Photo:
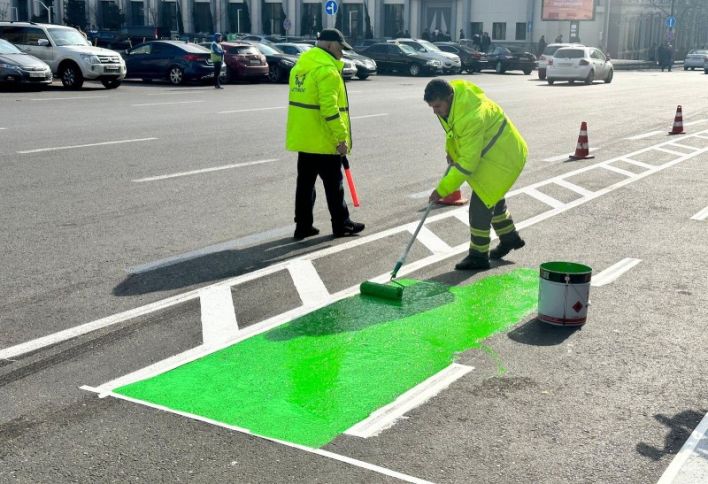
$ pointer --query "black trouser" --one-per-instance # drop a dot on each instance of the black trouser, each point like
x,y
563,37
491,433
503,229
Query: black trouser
x,y
217,74
483,218
329,168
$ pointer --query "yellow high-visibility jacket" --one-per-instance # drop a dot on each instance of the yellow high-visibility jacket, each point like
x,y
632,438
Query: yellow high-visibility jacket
x,y
487,150
318,110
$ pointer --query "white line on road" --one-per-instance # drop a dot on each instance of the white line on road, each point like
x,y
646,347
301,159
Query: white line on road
x,y
105,143
698,121
614,272
683,471
432,242
702,215
172,93
671,152
204,170
618,170
65,98
2,129
542,197
250,110
687,147
637,163
218,315
308,284
573,187
645,135
369,116
420,195
165,104
385,417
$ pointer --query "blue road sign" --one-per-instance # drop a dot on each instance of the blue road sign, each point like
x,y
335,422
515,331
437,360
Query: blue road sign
x,y
671,22
331,7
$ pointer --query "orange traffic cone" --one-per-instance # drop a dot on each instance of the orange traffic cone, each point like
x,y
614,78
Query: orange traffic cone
x,y
582,150
678,122
455,198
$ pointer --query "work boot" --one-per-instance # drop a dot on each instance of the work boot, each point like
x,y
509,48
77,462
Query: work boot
x,y
302,233
349,228
474,260
507,246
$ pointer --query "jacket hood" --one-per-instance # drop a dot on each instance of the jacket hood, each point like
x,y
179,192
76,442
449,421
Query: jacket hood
x,y
317,57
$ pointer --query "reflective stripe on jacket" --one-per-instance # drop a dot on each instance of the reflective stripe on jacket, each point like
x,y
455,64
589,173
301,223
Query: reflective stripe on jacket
x,y
217,52
487,150
318,108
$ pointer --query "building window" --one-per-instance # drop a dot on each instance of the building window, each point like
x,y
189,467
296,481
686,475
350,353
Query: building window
x,y
168,17
137,14
350,20
273,16
476,28
311,21
239,17
520,30
202,17
499,31
393,20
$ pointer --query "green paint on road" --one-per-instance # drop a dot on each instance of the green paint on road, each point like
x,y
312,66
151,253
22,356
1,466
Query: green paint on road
x,y
309,380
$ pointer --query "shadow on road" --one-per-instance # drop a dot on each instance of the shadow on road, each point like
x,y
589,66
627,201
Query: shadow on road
x,y
680,427
537,333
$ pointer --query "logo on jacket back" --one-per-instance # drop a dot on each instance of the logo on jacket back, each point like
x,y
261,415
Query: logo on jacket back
x,y
299,83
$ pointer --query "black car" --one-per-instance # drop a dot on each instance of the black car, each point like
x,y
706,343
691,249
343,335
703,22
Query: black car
x,y
279,63
173,60
365,66
391,57
472,60
16,67
503,59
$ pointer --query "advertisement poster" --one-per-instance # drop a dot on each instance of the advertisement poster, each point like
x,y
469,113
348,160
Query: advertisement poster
x,y
568,10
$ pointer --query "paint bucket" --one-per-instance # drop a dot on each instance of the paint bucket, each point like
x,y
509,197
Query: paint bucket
x,y
563,293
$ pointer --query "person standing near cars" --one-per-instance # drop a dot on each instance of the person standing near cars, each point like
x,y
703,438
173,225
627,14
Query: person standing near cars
x,y
484,149
217,57
319,130
541,46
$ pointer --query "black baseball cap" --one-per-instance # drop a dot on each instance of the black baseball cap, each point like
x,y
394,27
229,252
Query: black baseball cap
x,y
334,35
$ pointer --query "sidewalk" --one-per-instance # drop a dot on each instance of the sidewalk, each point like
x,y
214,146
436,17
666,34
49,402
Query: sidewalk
x,y
631,64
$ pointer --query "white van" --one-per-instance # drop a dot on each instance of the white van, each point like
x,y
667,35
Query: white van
x,y
72,58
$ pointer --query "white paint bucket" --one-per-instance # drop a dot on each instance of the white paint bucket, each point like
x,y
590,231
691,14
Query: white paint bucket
x,y
563,293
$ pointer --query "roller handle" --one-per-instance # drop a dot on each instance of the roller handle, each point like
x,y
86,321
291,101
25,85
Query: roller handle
x,y
350,181
401,260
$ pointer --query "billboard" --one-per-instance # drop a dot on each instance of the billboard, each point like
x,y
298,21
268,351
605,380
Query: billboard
x,y
568,10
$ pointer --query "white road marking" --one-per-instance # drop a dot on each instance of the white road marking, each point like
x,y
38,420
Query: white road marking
x,y
691,463
420,195
89,145
369,116
618,170
566,157
218,315
702,215
548,200
698,121
434,244
671,152
573,187
645,135
613,272
65,98
308,284
250,110
204,170
172,93
320,452
679,145
165,104
2,129
637,163
385,417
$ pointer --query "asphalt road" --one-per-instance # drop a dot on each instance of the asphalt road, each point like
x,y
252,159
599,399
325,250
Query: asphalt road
x,y
90,232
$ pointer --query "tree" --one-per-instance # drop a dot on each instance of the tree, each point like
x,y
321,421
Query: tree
x,y
75,13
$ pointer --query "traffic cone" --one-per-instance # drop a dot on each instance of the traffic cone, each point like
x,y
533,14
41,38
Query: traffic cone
x,y
582,150
678,122
455,198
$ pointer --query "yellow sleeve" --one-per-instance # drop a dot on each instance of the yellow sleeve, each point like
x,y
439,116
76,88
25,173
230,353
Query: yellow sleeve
x,y
329,91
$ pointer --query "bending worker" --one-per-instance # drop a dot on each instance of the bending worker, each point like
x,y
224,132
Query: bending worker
x,y
319,129
485,150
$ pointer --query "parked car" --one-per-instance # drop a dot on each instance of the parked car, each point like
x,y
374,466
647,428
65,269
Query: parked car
x,y
579,64
696,58
16,67
349,69
293,48
365,66
263,39
67,53
279,63
451,62
502,59
173,60
472,60
244,62
394,57
547,54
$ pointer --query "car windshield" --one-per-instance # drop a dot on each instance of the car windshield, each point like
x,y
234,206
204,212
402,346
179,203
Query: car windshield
x,y
269,50
67,37
407,49
304,47
7,48
243,50
551,49
699,52
428,45
570,53
414,46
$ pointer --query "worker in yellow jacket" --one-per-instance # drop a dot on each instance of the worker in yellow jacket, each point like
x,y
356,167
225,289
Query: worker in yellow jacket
x,y
319,129
485,150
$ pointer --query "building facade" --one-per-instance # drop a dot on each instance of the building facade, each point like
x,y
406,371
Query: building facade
x,y
626,28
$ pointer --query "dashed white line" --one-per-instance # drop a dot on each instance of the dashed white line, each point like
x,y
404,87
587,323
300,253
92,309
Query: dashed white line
x,y
2,129
645,135
671,152
65,98
573,187
702,215
89,145
172,93
204,170
548,200
690,148
308,284
613,272
251,110
218,315
434,244
369,116
637,163
618,170
165,104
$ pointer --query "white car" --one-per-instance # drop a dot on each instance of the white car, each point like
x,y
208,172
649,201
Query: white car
x,y
695,59
72,58
585,64
547,53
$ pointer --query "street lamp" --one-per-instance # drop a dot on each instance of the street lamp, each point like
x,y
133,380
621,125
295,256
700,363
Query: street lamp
x,y
49,10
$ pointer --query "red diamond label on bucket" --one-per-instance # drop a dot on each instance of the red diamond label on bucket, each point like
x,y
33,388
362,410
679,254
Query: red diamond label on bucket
x,y
578,306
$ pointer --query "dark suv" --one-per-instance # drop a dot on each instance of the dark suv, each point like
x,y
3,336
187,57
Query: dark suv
x,y
402,58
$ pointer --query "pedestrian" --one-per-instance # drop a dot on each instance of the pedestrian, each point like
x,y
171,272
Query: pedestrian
x,y
559,39
462,34
217,57
484,149
319,130
665,56
541,45
485,42
476,42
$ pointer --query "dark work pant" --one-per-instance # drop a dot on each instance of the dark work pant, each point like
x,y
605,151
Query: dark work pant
x,y
217,74
483,218
329,168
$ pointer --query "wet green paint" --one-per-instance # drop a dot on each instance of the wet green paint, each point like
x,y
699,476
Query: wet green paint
x,y
311,379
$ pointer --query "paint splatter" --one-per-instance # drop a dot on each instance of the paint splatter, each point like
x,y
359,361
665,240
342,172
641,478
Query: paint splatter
x,y
313,378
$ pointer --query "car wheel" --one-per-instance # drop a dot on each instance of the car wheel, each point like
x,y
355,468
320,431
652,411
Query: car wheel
x,y
499,68
71,76
111,83
274,74
542,74
176,75
590,78
610,74
550,81
527,71
363,77
414,70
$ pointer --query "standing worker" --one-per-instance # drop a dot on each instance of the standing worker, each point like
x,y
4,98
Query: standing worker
x,y
217,57
319,129
485,150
